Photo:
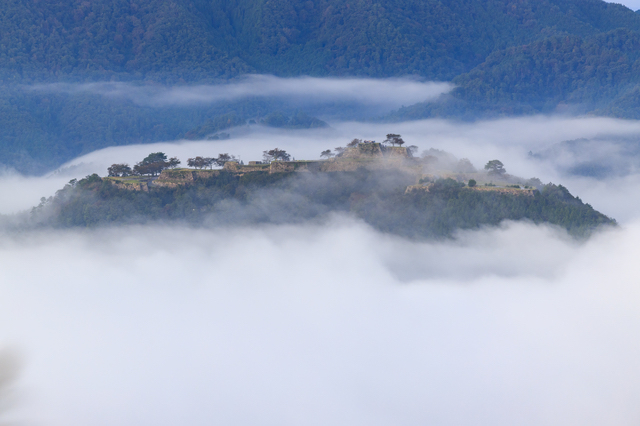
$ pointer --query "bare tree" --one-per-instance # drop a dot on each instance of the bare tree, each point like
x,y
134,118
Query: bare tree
x,y
209,162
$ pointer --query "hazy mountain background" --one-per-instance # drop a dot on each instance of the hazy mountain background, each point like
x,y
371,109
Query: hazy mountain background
x,y
504,56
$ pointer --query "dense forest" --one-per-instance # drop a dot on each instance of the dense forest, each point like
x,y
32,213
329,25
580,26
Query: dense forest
x,y
505,57
598,74
378,198
209,39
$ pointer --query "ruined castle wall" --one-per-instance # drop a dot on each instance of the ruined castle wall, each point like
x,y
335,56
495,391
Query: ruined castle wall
x,y
174,178
295,166
130,186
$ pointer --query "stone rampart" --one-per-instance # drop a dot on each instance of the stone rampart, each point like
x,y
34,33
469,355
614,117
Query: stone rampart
x,y
177,177
132,185
294,166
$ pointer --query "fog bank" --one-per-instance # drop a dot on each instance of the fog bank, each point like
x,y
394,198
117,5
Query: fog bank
x,y
325,324
509,140
392,92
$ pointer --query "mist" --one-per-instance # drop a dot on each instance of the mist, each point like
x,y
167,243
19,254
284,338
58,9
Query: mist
x,y
332,322
509,140
392,92
323,324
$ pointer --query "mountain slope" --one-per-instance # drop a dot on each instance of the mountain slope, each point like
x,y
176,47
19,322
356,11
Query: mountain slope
x,y
377,197
52,38
597,74
506,57
198,39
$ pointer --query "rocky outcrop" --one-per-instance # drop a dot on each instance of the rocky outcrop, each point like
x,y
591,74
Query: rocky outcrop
x,y
130,185
372,156
178,177
253,166
295,166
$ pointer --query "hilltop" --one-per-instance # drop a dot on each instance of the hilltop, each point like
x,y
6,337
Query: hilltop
x,y
387,187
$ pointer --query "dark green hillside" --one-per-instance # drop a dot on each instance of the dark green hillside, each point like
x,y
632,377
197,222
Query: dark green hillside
x,y
50,38
206,39
507,56
598,73
433,38
39,132
379,198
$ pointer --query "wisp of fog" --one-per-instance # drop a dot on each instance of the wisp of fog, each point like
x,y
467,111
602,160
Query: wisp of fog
x,y
331,322
323,324
393,92
509,140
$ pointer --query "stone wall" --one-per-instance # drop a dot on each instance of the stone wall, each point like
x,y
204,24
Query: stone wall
x,y
177,177
129,185
253,166
295,166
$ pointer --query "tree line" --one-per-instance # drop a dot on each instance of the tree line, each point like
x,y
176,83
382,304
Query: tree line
x,y
154,163
392,139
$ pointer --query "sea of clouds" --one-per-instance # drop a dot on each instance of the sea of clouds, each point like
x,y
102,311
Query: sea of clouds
x,y
331,322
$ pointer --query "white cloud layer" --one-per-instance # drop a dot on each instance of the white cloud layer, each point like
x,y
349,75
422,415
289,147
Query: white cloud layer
x,y
392,92
509,140
333,324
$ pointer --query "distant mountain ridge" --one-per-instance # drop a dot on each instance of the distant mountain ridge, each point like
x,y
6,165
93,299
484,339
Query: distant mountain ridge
x,y
505,56
598,74
208,39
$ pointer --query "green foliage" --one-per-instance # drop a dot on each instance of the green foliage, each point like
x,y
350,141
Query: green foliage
x,y
506,56
565,68
299,120
495,167
599,73
39,131
214,125
378,198
119,170
102,38
205,39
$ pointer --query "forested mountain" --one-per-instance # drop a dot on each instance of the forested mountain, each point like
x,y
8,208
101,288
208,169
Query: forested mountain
x,y
376,197
598,74
195,39
505,56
